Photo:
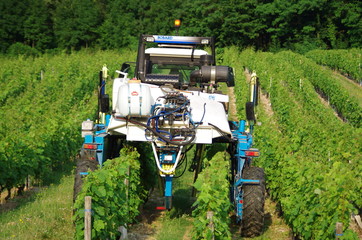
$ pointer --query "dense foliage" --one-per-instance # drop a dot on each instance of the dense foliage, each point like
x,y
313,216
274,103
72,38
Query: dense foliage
x,y
38,25
116,196
347,61
213,197
324,83
312,159
42,104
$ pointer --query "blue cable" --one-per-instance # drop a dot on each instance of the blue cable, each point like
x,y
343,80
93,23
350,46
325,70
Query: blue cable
x,y
164,114
168,113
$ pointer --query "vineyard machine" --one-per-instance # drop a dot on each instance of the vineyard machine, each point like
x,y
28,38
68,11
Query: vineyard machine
x,y
171,101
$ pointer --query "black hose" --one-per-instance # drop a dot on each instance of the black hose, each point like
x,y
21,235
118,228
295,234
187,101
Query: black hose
x,y
224,134
195,75
184,168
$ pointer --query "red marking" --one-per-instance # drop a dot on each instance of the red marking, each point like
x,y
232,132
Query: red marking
x,y
134,93
241,201
252,153
160,208
90,146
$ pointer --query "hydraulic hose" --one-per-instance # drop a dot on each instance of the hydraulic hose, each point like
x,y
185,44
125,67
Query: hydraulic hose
x,y
224,134
168,113
160,135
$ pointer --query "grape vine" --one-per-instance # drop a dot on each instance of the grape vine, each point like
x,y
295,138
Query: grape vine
x,y
347,61
213,198
311,158
116,196
42,104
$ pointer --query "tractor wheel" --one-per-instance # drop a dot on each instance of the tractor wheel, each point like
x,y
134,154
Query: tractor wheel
x,y
252,222
86,162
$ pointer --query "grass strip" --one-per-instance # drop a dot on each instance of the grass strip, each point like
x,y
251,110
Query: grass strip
x,y
46,216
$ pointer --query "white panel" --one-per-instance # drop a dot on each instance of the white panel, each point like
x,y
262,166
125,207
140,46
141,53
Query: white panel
x,y
214,113
203,136
136,134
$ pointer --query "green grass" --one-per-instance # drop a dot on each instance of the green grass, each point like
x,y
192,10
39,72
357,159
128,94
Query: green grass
x,y
175,228
353,89
46,216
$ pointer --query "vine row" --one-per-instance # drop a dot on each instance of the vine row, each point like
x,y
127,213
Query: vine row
x,y
44,101
116,196
212,207
347,61
323,81
311,158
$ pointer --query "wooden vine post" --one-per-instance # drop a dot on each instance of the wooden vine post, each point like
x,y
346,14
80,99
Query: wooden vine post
x,y
209,216
339,230
87,218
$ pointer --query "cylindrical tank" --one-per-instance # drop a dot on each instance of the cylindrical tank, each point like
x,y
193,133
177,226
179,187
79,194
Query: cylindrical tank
x,y
134,100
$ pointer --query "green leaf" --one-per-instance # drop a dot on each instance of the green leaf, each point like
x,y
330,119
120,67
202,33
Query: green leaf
x,y
99,225
101,191
317,191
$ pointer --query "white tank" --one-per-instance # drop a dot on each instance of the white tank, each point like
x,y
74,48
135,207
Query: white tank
x,y
134,100
116,83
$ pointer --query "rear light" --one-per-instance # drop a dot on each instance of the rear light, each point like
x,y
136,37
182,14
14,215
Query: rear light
x,y
252,152
90,146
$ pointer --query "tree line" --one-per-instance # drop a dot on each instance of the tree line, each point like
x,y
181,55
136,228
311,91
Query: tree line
x,y
300,25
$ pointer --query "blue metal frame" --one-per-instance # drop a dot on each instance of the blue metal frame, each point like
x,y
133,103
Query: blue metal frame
x,y
99,139
168,178
168,186
244,142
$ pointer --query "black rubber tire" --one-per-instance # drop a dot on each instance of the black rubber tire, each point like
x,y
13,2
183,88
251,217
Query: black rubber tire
x,y
85,162
252,223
